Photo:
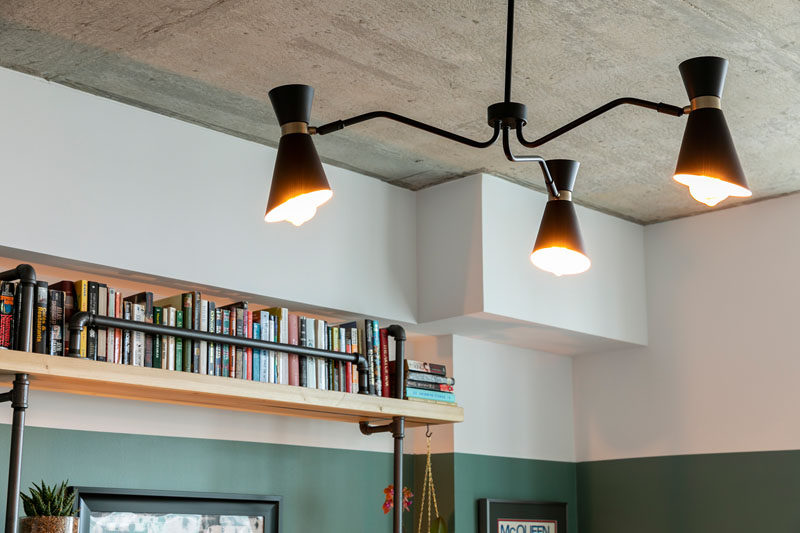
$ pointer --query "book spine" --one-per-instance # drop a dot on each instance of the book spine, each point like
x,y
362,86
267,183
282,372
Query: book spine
x,y
188,317
430,395
82,304
56,325
172,321
302,365
196,346
158,316
138,350
179,344
420,366
256,353
111,302
6,314
241,367
40,318
311,363
102,333
211,355
370,356
431,378
117,331
427,385
218,346
127,339
91,341
202,356
384,348
247,353
226,349
376,350
147,302
294,338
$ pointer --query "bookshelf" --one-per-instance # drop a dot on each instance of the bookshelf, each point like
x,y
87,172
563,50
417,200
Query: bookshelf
x,y
23,371
94,378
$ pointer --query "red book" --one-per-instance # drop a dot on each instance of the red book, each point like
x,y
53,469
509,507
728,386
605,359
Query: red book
x,y
384,335
294,359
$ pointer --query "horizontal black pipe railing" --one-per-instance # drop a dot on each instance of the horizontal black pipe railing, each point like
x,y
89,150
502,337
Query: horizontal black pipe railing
x,y
84,319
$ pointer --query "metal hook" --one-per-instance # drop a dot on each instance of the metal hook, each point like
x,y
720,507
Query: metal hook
x,y
428,430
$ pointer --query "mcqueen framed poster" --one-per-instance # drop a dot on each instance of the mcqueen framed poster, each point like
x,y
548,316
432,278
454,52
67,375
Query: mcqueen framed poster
x,y
512,516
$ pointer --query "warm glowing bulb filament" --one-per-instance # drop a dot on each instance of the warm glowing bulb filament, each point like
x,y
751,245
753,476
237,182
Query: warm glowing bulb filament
x,y
709,190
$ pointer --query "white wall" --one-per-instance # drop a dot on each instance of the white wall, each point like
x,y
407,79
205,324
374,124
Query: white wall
x,y
721,370
606,301
153,194
519,402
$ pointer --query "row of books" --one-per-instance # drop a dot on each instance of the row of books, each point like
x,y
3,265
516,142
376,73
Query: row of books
x,y
425,382
55,304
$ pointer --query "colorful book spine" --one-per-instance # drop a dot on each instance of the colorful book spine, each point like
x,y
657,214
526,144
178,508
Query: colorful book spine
x,y
384,350
138,349
68,287
226,348
111,310
427,385
202,354
102,333
431,378
127,335
7,291
294,339
256,374
82,304
218,345
158,317
40,317
118,310
302,364
370,356
436,396
91,341
56,324
211,354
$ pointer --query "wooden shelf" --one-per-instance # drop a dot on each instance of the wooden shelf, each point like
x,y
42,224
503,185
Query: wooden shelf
x,y
93,378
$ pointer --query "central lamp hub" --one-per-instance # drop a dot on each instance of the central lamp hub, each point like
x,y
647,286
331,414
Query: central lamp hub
x,y
508,114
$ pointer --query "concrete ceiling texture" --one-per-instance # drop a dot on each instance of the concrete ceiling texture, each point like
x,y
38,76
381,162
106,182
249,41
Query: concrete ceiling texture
x,y
212,62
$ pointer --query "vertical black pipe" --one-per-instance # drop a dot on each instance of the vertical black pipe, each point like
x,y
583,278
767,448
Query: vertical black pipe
x,y
398,424
509,48
19,402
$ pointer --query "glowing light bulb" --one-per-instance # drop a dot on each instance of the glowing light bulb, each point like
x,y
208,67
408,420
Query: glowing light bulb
x,y
560,261
299,209
709,190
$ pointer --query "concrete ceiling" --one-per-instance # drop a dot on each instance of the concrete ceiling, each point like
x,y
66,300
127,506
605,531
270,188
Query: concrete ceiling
x,y
441,61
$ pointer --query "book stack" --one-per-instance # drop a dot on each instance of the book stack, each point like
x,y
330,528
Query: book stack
x,y
426,382
56,303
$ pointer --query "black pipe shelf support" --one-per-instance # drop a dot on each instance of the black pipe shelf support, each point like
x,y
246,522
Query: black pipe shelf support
x,y
18,395
83,319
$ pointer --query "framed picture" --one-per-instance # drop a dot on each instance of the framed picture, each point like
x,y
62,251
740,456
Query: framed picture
x,y
510,516
113,510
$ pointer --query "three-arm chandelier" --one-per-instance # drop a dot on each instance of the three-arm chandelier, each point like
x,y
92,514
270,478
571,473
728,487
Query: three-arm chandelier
x,y
707,162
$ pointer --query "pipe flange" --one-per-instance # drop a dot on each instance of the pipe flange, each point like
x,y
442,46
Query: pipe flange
x,y
507,114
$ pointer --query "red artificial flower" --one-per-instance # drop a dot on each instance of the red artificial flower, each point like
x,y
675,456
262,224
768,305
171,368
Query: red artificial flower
x,y
389,503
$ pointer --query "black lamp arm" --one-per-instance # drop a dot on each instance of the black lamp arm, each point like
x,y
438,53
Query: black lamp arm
x,y
548,179
661,107
340,124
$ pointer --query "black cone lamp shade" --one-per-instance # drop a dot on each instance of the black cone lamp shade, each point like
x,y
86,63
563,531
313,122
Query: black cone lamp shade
x,y
299,185
708,163
559,246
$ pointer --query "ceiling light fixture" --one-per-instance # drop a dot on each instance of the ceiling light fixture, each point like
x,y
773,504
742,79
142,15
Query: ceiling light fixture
x,y
559,246
707,163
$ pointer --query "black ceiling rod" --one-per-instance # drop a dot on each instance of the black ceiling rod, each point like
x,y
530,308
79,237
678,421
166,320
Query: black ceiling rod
x,y
548,179
509,49
340,124
661,107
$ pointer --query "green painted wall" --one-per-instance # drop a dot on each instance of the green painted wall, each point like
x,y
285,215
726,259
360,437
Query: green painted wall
x,y
731,493
336,491
483,476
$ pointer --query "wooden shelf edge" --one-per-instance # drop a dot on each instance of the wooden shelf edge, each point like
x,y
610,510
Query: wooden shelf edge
x,y
94,378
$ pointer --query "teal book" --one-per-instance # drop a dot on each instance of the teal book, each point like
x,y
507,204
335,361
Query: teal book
x,y
437,396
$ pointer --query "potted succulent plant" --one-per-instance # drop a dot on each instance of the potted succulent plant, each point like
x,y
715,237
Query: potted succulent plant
x,y
48,510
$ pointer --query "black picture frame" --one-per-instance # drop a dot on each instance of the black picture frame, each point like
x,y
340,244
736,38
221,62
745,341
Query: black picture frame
x,y
492,512
97,499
